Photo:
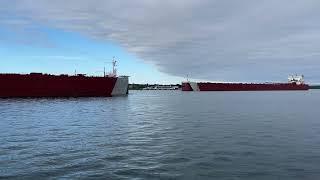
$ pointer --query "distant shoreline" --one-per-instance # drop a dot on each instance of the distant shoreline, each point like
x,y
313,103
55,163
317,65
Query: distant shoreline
x,y
144,86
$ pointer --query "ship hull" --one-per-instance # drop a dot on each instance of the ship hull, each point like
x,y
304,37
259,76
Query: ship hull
x,y
194,86
43,85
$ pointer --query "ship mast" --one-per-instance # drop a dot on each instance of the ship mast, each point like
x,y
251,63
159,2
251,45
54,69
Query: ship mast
x,y
114,69
114,64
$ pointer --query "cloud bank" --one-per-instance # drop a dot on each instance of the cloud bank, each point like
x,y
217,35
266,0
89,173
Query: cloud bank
x,y
205,39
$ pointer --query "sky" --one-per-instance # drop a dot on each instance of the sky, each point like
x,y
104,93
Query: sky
x,y
163,41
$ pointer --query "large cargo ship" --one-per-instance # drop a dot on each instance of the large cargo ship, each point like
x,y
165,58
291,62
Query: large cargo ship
x,y
78,85
294,83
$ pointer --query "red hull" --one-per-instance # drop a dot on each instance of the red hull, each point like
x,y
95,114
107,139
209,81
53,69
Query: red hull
x,y
189,86
43,85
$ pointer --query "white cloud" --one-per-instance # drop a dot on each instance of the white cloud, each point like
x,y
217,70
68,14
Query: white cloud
x,y
207,39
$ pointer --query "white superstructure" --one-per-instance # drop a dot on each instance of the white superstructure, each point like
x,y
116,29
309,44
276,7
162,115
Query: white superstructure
x,y
298,79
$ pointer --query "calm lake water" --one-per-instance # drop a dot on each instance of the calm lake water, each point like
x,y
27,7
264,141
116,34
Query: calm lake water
x,y
163,135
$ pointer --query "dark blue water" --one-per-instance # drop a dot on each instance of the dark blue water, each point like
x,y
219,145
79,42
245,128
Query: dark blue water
x,y
163,135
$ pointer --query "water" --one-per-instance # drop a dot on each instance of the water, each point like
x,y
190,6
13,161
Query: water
x,y
163,135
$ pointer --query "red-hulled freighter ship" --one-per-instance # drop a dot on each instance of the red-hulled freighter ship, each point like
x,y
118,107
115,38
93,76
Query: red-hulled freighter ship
x,y
294,83
46,85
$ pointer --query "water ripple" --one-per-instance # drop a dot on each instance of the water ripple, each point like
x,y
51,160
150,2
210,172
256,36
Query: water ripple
x,y
162,135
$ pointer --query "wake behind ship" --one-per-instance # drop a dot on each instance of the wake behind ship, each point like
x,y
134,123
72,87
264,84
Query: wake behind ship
x,y
46,85
294,83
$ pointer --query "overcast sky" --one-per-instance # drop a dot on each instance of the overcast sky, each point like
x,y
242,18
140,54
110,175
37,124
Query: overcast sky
x,y
230,40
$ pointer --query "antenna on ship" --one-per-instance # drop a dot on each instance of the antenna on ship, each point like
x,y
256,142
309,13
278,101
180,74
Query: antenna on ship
x,y
114,64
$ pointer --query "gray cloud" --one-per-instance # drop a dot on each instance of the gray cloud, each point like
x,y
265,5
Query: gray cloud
x,y
208,39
